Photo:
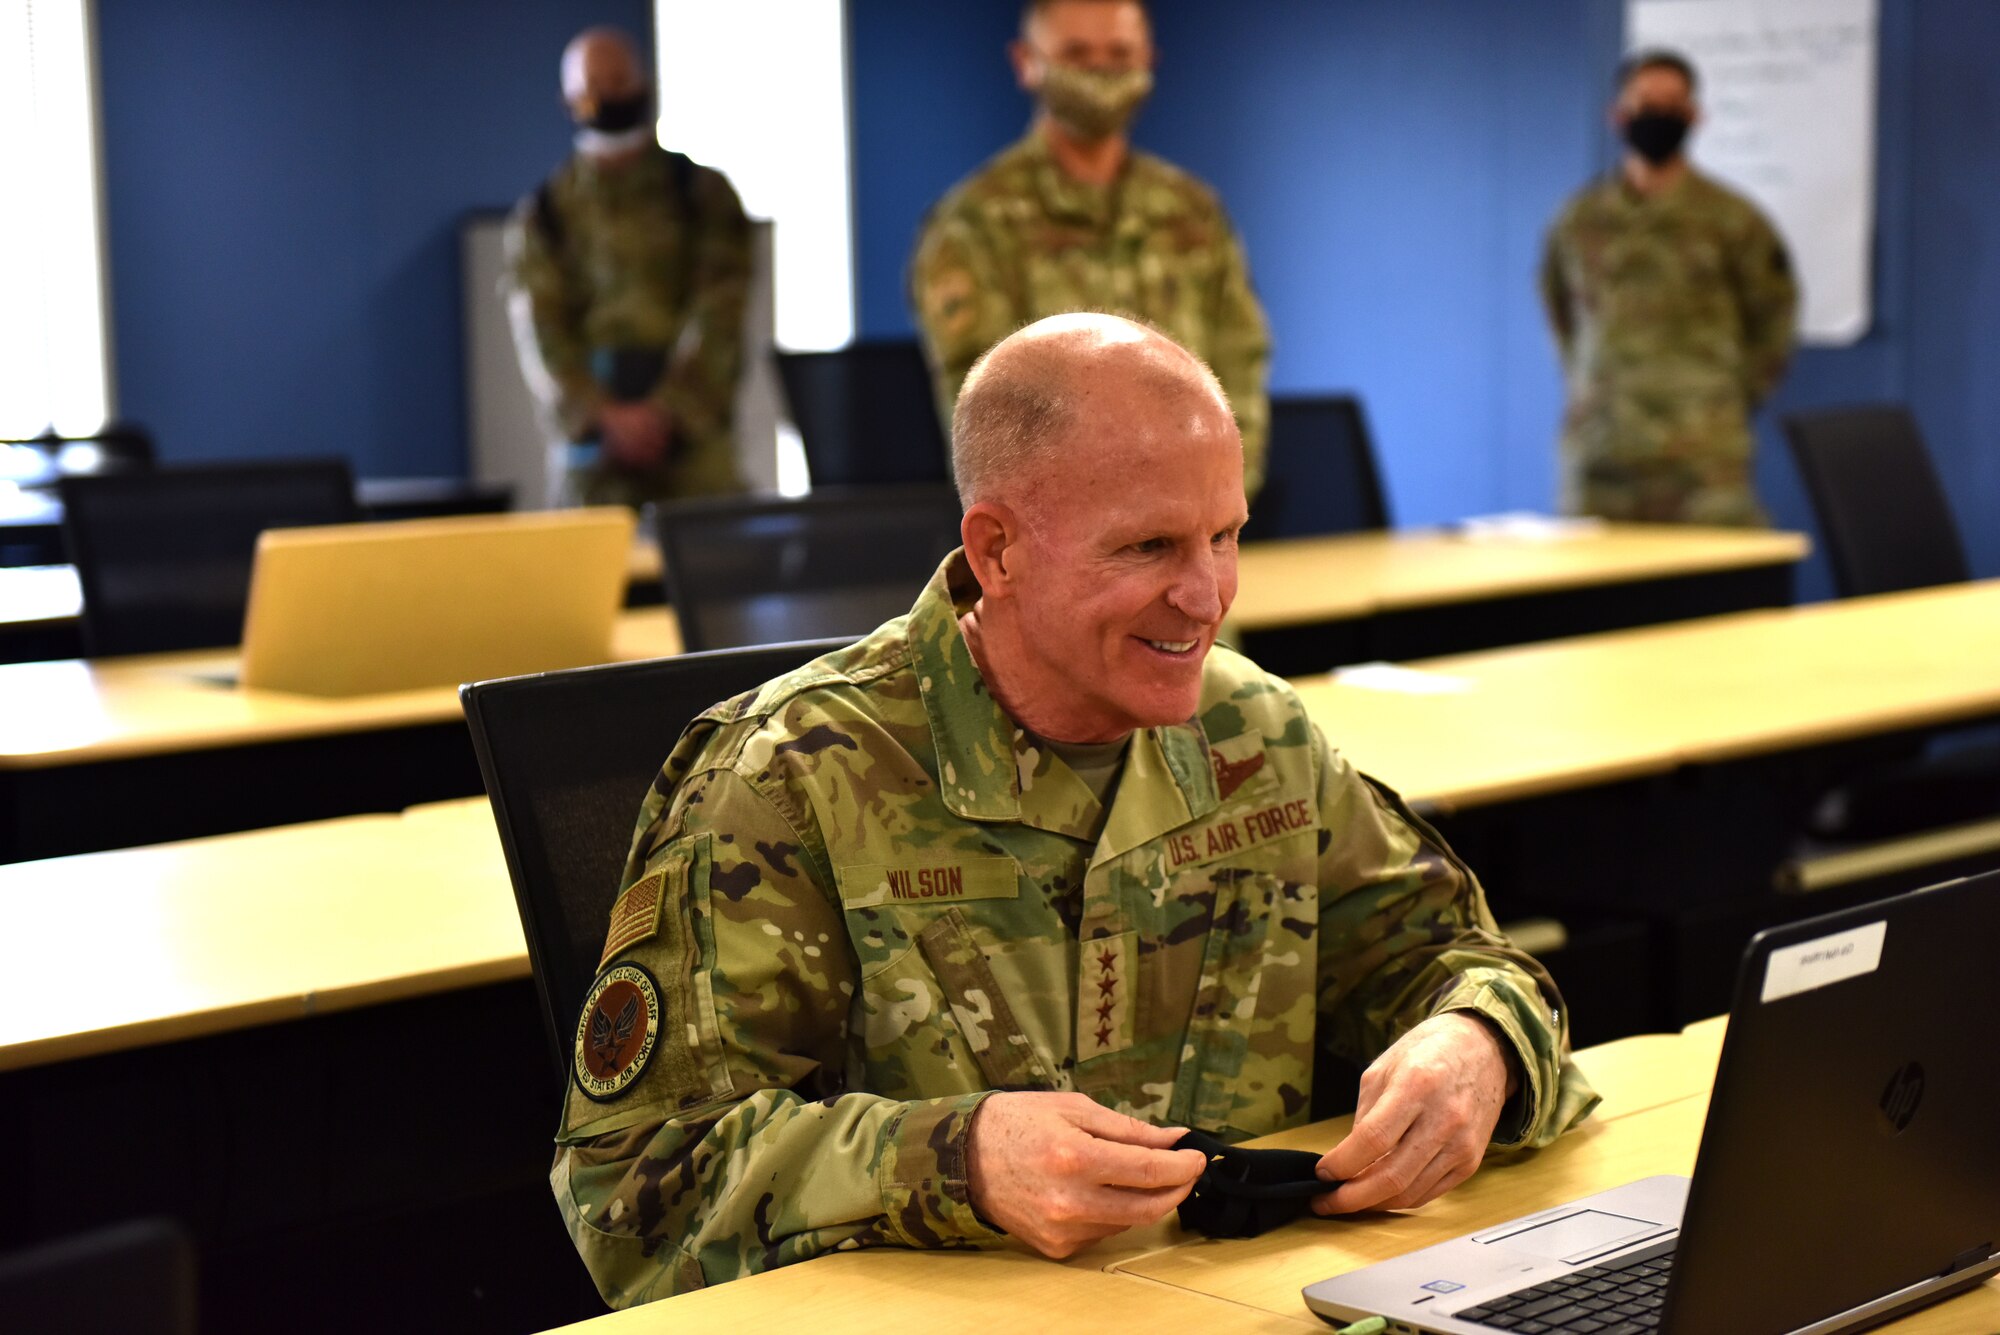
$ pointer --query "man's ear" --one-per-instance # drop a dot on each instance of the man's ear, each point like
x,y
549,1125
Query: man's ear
x,y
1022,57
992,533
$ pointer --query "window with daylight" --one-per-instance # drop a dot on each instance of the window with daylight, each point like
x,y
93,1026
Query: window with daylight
x,y
758,90
54,360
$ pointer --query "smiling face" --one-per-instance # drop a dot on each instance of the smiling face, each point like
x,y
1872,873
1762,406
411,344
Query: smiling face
x,y
1123,560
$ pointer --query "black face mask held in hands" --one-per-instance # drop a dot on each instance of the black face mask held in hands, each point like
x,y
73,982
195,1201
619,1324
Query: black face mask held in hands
x,y
1246,1192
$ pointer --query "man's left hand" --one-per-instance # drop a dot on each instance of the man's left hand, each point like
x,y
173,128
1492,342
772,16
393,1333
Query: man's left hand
x,y
1427,1109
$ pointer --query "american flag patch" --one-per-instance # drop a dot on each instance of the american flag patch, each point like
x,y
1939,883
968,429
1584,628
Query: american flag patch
x,y
635,917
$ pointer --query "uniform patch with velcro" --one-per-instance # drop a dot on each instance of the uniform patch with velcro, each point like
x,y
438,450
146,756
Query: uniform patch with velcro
x,y
617,1032
635,917
932,881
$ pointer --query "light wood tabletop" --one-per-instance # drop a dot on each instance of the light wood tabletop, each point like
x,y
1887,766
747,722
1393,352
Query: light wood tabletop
x,y
1296,581
868,1293
1267,1273
76,710
38,595
237,930
1511,723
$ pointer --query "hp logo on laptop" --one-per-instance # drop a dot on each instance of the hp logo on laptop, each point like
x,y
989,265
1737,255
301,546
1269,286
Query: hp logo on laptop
x,y
1904,1092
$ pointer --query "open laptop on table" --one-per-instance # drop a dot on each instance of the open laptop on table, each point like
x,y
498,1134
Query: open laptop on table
x,y
1849,1166
353,609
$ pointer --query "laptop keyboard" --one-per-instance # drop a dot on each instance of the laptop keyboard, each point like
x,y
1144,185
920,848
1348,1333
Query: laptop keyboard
x,y
1623,1297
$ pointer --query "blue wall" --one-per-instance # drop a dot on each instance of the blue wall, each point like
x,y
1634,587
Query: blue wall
x,y
284,184
1392,165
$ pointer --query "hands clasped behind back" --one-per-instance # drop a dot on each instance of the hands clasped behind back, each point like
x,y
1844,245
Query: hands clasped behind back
x,y
1060,1171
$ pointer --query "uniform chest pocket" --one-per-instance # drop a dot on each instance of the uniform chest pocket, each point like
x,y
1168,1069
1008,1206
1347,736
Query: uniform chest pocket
x,y
932,1016
1247,1067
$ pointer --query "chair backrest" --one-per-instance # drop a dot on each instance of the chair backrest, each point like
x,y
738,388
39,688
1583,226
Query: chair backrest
x,y
164,557
866,414
1881,511
1321,475
838,562
135,1278
567,758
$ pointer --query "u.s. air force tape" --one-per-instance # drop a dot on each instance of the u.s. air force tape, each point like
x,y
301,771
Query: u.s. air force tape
x,y
617,1032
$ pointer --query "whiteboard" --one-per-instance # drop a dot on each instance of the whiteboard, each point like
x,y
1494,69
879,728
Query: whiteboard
x,y
1788,104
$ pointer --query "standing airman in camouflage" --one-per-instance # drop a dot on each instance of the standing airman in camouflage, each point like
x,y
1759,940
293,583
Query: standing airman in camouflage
x,y
1672,301
626,278
945,936
1072,218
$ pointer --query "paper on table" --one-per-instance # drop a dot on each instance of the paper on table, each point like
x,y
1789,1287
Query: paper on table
x,y
1527,526
1393,677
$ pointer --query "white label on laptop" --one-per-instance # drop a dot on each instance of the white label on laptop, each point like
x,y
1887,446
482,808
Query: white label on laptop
x,y
1823,961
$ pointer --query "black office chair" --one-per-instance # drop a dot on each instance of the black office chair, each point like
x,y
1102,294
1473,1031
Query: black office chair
x,y
1320,476
136,1278
567,758
164,557
1885,519
1888,527
866,415
841,561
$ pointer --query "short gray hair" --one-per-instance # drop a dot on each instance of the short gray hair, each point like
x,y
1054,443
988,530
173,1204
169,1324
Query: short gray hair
x,y
1020,397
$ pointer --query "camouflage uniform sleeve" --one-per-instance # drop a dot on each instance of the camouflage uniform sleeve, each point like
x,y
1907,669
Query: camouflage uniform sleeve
x,y
699,389
1239,350
737,1148
548,336
1555,293
1767,295
1405,934
959,300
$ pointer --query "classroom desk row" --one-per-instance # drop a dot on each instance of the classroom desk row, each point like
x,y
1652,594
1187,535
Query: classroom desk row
x,y
1162,1277
1306,603
199,921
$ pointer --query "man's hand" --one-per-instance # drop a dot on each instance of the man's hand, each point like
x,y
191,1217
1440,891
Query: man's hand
x,y
1427,1110
1059,1171
635,434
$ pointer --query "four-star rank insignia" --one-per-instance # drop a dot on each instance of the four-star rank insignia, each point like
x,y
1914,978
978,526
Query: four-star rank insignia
x,y
617,1032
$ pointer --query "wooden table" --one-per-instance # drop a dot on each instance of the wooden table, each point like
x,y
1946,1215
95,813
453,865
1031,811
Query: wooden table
x,y
1305,604
120,752
1512,723
1650,1123
253,928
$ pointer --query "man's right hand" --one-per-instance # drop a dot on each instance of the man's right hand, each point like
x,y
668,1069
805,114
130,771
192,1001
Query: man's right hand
x,y
634,434
1060,1171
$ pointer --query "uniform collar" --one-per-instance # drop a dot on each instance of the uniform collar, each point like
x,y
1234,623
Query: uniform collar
x,y
1065,197
991,769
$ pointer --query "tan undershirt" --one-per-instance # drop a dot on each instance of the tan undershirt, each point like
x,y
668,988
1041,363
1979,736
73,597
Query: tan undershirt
x,y
1098,764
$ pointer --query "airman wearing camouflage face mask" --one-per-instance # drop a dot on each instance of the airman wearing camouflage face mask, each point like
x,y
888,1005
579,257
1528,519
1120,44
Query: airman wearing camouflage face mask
x,y
1072,218
946,937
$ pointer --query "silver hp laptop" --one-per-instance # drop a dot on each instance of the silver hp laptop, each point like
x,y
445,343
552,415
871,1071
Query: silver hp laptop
x,y
1849,1167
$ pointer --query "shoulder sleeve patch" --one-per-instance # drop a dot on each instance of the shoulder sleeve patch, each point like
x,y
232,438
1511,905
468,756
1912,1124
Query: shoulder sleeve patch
x,y
635,917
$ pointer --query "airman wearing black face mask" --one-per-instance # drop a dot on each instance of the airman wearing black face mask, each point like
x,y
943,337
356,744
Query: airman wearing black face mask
x,y
1673,301
626,279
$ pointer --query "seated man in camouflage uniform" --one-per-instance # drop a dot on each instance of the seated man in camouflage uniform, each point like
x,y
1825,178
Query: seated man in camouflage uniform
x,y
1074,218
945,936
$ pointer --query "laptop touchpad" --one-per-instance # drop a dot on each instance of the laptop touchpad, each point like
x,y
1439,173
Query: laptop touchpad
x,y
1584,1233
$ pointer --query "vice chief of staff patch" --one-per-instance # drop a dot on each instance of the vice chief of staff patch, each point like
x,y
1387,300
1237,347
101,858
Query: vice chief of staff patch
x,y
617,1032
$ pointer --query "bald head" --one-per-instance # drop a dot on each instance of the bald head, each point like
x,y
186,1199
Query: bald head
x,y
1029,404
600,65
